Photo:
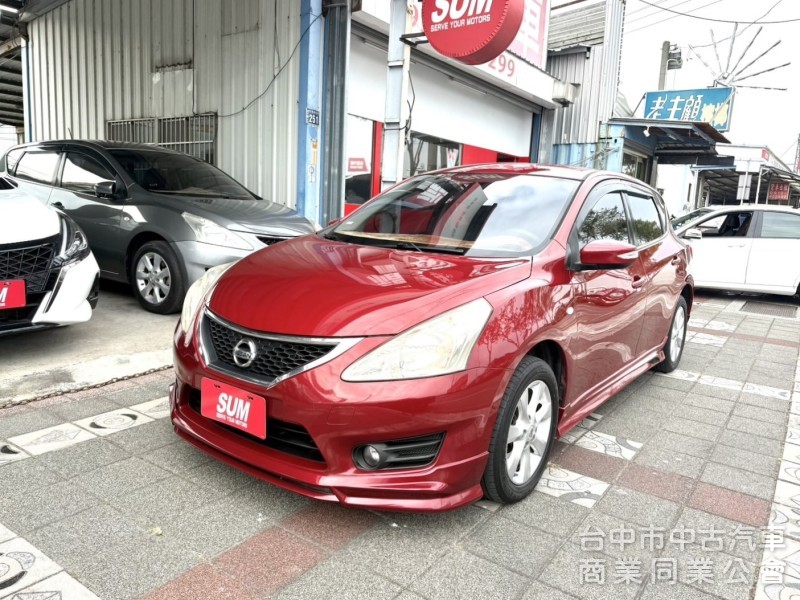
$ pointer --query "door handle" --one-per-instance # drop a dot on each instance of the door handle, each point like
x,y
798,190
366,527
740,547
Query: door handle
x,y
735,245
58,205
638,282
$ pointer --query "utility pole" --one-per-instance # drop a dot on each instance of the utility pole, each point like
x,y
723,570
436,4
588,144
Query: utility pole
x,y
662,74
797,156
396,113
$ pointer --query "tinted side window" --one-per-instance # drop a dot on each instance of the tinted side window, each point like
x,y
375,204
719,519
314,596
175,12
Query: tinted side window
x,y
81,173
646,220
38,166
780,225
605,221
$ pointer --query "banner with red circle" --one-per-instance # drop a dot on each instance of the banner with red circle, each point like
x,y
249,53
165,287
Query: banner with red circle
x,y
472,31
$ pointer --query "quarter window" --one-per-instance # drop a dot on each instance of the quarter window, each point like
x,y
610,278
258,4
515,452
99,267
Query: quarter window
x,y
780,225
646,220
81,173
605,221
38,166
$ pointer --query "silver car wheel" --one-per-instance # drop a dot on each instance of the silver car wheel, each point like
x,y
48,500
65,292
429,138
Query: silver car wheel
x,y
677,334
153,279
529,432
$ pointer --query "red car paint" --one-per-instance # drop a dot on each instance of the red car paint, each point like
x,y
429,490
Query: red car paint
x,y
609,325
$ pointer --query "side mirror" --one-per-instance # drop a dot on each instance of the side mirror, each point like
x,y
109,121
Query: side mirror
x,y
693,234
607,254
105,189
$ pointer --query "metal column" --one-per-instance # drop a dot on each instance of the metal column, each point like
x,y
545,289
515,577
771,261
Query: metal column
x,y
337,51
399,59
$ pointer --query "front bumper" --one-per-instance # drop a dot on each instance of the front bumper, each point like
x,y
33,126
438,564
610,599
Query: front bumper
x,y
339,416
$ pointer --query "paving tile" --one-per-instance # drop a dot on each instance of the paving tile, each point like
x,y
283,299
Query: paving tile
x,y
80,409
615,538
10,453
570,486
761,428
787,494
337,579
21,556
564,573
751,443
786,519
672,383
120,478
791,453
760,414
56,587
328,524
660,393
219,476
702,415
132,395
589,463
114,421
26,421
669,440
715,533
749,461
609,445
157,503
33,508
272,569
702,431
51,439
145,438
704,389
83,457
731,505
530,552
540,591
270,502
203,581
723,570
155,409
763,402
670,461
678,591
547,513
637,507
746,482
178,457
461,575
637,428
648,480
6,534
24,475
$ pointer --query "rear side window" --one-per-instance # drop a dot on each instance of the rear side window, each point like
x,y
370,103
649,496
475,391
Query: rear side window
x,y
38,166
647,222
81,173
780,225
12,158
605,221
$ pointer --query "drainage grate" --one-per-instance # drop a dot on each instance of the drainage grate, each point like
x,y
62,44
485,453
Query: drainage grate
x,y
769,309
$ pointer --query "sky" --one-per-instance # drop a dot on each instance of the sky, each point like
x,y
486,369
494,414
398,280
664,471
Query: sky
x,y
760,117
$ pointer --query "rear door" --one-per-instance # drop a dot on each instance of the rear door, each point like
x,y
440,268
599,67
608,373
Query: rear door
x,y
35,171
720,258
98,217
773,264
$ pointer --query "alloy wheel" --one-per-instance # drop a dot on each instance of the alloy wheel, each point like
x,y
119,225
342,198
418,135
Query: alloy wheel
x,y
677,334
529,432
153,278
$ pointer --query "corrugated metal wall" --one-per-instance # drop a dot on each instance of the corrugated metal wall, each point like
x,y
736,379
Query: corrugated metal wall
x,y
94,61
597,74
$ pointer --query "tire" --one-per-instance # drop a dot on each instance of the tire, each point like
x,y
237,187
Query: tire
x,y
157,279
532,382
676,339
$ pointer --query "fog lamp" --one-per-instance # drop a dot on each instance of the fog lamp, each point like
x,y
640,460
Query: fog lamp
x,y
371,456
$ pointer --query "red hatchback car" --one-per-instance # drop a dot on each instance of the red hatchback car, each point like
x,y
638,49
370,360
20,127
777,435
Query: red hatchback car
x,y
427,350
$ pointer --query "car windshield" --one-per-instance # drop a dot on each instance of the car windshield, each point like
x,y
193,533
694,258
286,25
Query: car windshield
x,y
475,214
179,174
689,217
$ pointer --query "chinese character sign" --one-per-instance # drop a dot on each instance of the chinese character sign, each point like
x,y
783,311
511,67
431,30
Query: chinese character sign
x,y
779,191
710,105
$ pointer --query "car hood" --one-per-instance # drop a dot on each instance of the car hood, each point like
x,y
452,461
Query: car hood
x,y
25,218
252,216
314,287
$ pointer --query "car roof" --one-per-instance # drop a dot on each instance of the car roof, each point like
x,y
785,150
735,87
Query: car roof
x,y
563,172
723,208
98,145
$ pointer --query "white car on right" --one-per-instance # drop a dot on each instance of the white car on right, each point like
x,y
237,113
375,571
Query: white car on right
x,y
748,248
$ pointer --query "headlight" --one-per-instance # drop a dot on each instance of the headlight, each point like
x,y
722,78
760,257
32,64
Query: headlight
x,y
209,232
74,245
197,294
438,346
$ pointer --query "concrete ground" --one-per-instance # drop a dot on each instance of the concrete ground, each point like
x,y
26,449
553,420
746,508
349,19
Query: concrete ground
x,y
668,491
120,339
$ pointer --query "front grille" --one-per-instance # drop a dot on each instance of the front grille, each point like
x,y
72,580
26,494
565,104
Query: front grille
x,y
275,357
269,240
288,438
30,262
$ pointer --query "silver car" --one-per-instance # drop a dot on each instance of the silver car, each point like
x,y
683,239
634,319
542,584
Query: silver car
x,y
154,218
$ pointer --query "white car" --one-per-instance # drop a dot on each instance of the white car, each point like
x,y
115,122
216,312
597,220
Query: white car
x,y
749,248
48,275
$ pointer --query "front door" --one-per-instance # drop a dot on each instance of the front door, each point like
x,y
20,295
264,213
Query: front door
x,y
720,258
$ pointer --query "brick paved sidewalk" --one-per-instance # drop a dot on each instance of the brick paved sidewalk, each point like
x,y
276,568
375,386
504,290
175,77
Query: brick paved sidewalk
x,y
98,498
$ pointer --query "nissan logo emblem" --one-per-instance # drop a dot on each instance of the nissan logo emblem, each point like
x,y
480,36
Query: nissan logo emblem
x,y
244,353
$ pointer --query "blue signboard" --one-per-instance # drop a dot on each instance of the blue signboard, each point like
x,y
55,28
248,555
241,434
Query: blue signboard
x,y
709,105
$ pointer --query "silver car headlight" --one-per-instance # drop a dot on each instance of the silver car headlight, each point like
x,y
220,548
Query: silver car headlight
x,y
196,297
438,346
210,233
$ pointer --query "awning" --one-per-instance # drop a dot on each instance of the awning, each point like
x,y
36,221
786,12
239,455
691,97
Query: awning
x,y
723,184
678,142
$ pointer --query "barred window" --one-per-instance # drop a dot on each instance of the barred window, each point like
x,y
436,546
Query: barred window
x,y
195,135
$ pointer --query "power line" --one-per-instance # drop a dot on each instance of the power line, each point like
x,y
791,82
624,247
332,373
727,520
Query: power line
x,y
688,14
756,22
652,14
659,22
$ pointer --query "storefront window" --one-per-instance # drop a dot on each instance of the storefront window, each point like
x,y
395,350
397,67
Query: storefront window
x,y
360,163
428,153
634,166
